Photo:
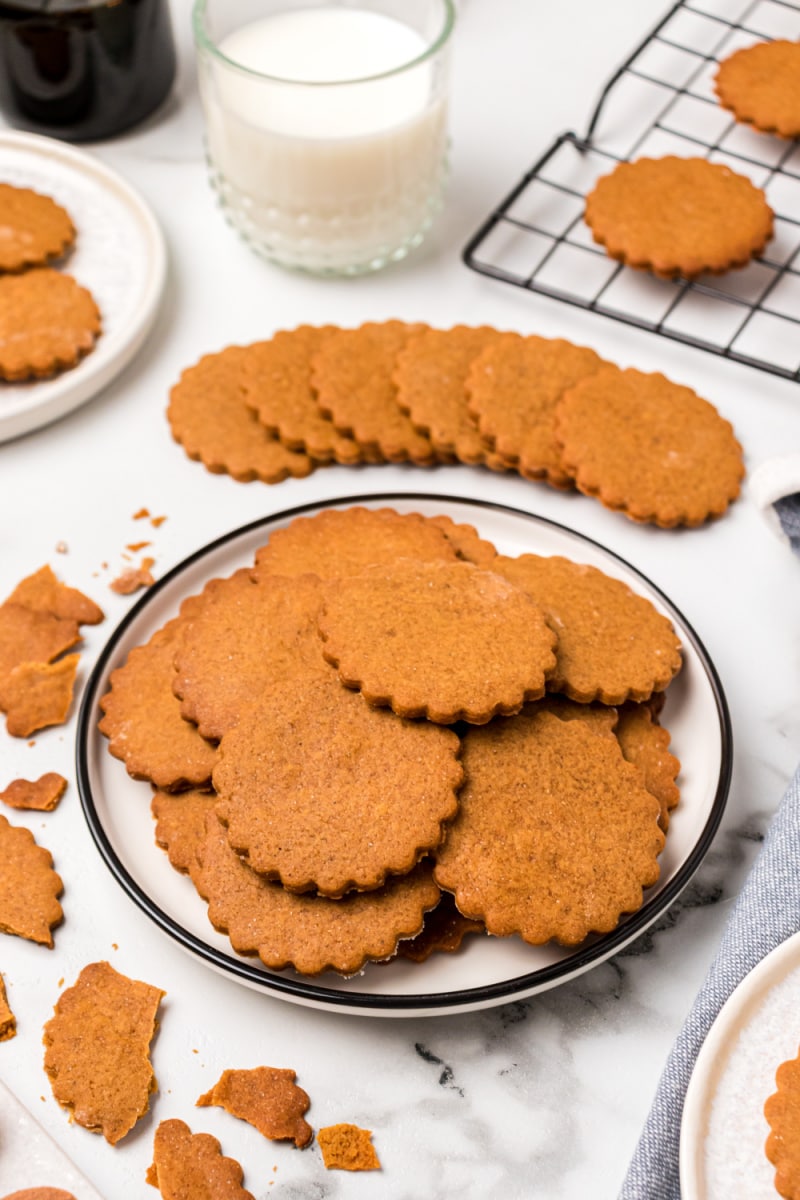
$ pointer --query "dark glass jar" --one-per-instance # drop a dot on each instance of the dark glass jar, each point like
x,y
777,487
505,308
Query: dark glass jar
x,y
83,71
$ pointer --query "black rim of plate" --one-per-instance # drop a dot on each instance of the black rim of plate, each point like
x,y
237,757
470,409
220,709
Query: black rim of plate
x,y
316,994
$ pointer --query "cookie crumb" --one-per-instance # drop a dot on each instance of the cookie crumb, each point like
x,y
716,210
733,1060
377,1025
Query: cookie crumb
x,y
347,1148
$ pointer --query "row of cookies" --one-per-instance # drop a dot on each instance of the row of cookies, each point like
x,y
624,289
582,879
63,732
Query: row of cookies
x,y
335,749
402,392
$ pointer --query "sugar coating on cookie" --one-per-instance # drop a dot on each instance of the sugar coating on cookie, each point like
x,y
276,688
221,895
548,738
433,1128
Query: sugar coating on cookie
x,y
47,323
556,835
446,641
513,388
188,1165
34,229
311,933
645,743
268,1098
352,375
613,645
760,84
782,1111
679,216
97,1050
209,416
325,793
342,541
649,447
29,887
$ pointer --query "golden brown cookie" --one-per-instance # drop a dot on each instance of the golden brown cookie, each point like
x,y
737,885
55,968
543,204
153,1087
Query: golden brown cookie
x,y
646,744
276,381
133,579
34,229
47,323
308,932
348,1148
782,1111
181,825
613,645
352,376
601,718
249,632
29,887
43,592
513,387
142,716
8,1022
268,1098
27,636
466,541
430,375
96,1050
447,641
208,415
679,216
325,793
42,794
35,695
760,84
40,1193
556,835
444,930
342,541
651,448
191,1166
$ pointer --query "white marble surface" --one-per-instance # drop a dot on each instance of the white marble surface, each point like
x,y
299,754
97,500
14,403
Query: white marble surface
x,y
541,1099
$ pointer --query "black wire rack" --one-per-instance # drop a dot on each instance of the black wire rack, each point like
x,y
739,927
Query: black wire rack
x,y
662,101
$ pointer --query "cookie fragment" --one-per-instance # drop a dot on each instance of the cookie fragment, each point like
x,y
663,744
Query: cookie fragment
x,y
96,1050
29,636
679,216
40,1193
34,229
760,85
268,1098
8,1022
44,592
444,930
35,694
29,886
348,1148
191,1166
41,795
47,323
134,579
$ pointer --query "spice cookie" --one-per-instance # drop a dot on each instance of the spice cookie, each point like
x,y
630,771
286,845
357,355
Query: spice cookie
x,y
646,744
613,645
35,695
43,592
276,381
325,793
352,376
8,1022
29,887
651,448
249,632
209,416
47,323
446,641
96,1050
556,835
181,825
34,229
338,542
191,1166
679,216
444,930
430,375
310,933
348,1148
466,541
268,1098
39,795
513,389
782,1111
760,85
27,636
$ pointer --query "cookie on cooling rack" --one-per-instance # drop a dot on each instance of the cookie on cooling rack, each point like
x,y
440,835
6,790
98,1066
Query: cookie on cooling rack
x,y
760,85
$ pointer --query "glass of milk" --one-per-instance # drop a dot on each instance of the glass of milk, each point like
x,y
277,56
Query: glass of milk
x,y
326,124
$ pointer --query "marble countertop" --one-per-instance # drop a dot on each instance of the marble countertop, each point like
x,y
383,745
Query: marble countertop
x,y
541,1098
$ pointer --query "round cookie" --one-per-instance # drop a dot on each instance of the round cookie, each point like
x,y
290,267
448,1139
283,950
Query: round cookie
x,y
181,819
556,835
34,230
679,216
513,389
645,743
47,323
651,448
321,791
613,645
446,641
760,85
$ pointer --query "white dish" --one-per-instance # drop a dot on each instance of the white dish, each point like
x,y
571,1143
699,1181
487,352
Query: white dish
x,y
723,1129
487,971
119,255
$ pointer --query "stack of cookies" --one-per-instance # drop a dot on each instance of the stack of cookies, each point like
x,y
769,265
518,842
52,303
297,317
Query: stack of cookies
x,y
383,734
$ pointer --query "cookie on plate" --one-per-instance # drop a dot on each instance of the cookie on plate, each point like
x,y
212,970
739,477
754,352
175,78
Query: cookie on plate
x,y
782,1111
47,323
34,229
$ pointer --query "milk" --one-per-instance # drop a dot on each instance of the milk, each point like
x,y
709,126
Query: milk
x,y
326,135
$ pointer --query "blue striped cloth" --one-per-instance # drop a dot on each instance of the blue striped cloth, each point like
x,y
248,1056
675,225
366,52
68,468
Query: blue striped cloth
x,y
766,912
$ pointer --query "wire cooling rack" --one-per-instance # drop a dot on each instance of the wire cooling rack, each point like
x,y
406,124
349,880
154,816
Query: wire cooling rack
x,y
662,101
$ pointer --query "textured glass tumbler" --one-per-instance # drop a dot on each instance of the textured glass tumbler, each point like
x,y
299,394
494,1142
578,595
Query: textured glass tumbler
x,y
326,125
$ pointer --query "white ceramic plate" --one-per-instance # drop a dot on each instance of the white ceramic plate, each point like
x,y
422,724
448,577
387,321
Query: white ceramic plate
x,y
723,1129
119,255
486,971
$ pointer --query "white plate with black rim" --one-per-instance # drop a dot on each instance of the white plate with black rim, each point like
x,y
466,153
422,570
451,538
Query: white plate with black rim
x,y
485,971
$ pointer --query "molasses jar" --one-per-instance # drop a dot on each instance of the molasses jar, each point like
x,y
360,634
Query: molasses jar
x,y
83,71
